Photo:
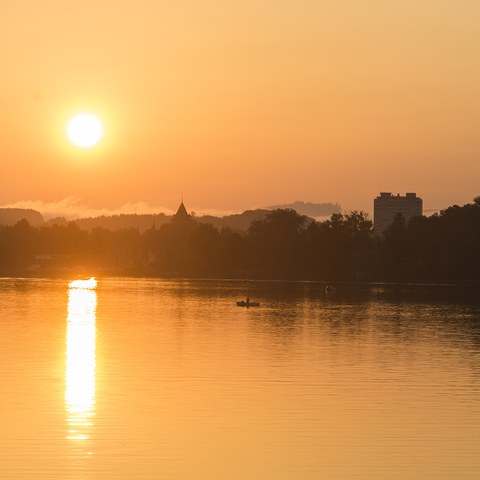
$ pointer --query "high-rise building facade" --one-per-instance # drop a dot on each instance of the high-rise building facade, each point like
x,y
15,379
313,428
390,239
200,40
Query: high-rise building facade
x,y
387,206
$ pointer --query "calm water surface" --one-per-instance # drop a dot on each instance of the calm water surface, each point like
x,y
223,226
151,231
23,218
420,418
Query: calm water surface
x,y
152,379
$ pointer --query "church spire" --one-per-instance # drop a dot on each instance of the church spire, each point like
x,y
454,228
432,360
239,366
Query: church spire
x,y
182,213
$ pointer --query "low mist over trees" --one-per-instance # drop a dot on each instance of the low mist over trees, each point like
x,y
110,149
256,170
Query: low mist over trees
x,y
282,244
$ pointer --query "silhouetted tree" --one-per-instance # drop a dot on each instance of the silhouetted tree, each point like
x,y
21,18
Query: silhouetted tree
x,y
276,243
282,244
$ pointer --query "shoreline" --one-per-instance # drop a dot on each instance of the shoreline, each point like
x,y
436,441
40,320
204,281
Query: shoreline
x,y
128,275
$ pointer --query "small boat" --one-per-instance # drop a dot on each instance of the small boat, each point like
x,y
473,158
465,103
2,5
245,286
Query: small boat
x,y
247,304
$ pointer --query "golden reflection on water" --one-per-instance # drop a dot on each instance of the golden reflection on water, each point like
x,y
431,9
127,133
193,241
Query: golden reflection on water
x,y
80,360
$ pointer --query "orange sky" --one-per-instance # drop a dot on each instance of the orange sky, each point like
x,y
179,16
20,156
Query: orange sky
x,y
243,103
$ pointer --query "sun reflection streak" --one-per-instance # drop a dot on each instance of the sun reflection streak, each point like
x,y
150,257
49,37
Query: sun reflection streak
x,y
80,359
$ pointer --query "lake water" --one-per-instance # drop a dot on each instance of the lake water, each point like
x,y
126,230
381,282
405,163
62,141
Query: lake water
x,y
154,379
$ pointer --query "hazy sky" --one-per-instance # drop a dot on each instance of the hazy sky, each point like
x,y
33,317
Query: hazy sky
x,y
241,103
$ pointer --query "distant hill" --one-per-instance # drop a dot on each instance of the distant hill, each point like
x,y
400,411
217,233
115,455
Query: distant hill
x,y
144,222
239,221
11,216
119,222
311,209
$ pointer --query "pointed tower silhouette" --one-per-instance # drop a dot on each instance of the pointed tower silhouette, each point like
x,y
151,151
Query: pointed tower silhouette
x,y
182,214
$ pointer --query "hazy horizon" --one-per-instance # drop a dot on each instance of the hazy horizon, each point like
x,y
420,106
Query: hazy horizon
x,y
72,208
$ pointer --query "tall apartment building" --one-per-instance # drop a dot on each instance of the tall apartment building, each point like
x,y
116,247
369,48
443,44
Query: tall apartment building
x,y
387,206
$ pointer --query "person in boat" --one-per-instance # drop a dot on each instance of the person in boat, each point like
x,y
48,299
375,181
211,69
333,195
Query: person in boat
x,y
248,300
329,289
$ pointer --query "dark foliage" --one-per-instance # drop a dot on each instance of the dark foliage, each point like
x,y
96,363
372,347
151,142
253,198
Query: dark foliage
x,y
282,244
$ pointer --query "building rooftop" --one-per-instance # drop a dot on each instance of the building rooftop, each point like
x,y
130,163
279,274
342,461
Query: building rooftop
x,y
389,195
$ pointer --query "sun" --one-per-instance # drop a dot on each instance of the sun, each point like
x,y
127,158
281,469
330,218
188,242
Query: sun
x,y
85,130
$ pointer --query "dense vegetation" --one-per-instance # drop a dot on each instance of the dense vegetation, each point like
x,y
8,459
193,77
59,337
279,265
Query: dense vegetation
x,y
283,245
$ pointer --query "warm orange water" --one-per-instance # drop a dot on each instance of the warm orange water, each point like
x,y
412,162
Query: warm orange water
x,y
151,379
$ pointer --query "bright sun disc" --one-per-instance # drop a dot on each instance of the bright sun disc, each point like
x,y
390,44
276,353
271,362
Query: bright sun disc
x,y
85,130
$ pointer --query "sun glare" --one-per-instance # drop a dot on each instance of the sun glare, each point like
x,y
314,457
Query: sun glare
x,y
80,360
89,284
85,130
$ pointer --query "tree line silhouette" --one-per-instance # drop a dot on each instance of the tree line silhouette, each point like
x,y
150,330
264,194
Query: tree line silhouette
x,y
444,247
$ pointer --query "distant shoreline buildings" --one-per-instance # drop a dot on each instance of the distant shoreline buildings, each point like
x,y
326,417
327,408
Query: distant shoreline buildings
x,y
387,206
